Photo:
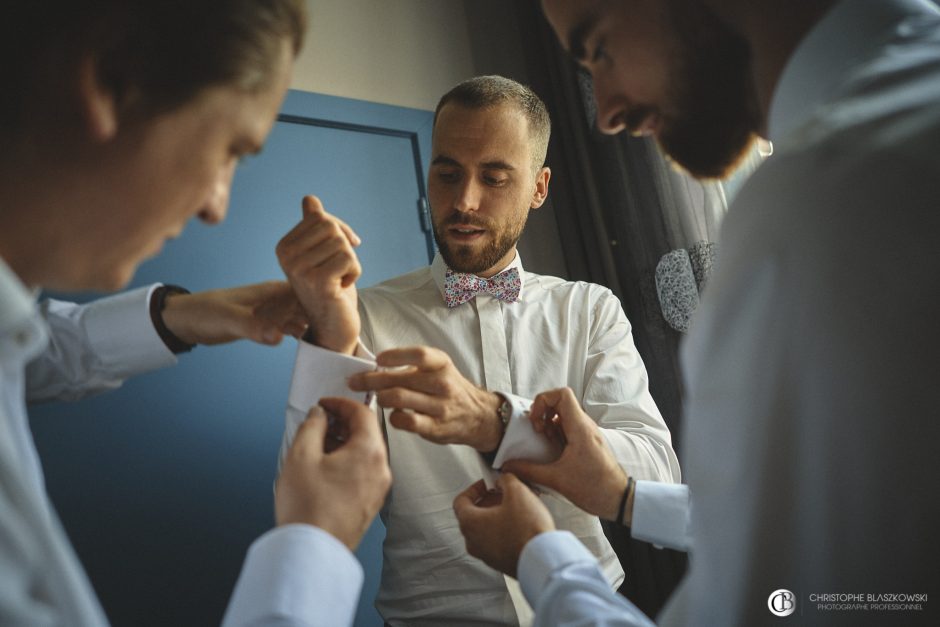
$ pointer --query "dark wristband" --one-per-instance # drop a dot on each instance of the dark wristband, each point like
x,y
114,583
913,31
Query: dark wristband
x,y
623,501
157,303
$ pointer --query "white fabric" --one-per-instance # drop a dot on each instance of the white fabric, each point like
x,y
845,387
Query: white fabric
x,y
558,333
810,441
295,575
661,514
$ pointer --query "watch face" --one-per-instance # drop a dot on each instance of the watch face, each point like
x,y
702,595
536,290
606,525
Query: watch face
x,y
505,412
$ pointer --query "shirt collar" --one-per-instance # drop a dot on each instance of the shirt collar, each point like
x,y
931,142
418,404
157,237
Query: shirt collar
x,y
439,269
21,328
849,33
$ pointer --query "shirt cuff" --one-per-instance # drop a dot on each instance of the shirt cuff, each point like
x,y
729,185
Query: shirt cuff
x,y
300,573
120,331
661,514
544,555
320,372
520,440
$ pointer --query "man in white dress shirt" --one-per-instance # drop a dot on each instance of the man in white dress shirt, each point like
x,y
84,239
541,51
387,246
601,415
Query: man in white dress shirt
x,y
121,121
811,451
467,364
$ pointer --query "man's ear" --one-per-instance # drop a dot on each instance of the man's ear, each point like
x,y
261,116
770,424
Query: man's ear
x,y
98,101
541,187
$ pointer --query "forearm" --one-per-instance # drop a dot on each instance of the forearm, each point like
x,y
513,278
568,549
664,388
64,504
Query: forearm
x,y
563,583
296,575
95,347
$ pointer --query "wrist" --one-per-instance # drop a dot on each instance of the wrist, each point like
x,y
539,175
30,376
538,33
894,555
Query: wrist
x,y
168,314
337,346
496,414
618,500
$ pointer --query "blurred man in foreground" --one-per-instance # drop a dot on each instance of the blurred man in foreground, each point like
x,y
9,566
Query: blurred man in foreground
x,y
809,448
121,121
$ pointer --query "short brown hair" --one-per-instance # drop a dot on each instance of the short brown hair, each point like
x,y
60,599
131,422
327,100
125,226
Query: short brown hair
x,y
163,52
481,92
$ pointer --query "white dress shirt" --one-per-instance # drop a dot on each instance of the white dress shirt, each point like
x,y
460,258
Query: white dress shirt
x,y
559,333
295,575
810,441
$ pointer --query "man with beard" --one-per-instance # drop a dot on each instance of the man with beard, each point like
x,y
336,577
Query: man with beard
x,y
469,340
809,367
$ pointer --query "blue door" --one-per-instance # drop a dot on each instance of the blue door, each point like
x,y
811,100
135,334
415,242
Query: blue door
x,y
164,483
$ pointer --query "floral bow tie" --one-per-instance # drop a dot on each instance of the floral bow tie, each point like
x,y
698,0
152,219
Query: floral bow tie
x,y
459,288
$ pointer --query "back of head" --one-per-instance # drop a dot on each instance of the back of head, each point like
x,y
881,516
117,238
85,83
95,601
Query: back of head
x,y
153,54
482,92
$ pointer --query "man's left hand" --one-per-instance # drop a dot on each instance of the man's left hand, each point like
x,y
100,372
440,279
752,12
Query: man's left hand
x,y
263,312
429,396
498,524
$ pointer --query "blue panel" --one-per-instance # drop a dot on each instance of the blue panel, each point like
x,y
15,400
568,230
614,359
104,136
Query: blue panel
x,y
163,484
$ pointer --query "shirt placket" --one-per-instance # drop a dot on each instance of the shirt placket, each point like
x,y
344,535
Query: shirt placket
x,y
497,378
493,340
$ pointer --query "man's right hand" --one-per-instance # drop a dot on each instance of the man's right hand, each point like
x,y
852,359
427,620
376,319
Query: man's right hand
x,y
498,524
318,258
586,473
340,491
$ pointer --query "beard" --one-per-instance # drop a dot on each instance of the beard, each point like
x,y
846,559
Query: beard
x,y
472,259
713,116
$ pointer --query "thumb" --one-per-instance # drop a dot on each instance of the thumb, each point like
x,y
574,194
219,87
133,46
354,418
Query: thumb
x,y
311,205
359,418
468,499
533,472
308,441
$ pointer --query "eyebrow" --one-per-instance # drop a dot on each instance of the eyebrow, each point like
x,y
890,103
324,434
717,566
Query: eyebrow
x,y
442,160
487,165
578,33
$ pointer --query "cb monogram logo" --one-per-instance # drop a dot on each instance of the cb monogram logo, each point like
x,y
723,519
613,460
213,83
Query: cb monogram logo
x,y
781,602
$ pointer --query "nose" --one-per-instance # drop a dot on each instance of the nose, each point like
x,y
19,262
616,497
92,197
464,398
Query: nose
x,y
216,206
468,196
611,109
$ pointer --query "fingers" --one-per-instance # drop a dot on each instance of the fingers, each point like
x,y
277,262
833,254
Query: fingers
x,y
408,378
360,420
308,237
562,403
509,483
313,207
416,423
318,249
308,441
423,357
404,398
469,498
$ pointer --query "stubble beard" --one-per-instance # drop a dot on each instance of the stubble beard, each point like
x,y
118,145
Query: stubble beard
x,y
714,116
468,258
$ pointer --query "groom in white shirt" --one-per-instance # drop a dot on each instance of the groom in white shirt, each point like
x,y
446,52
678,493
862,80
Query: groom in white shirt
x,y
471,339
